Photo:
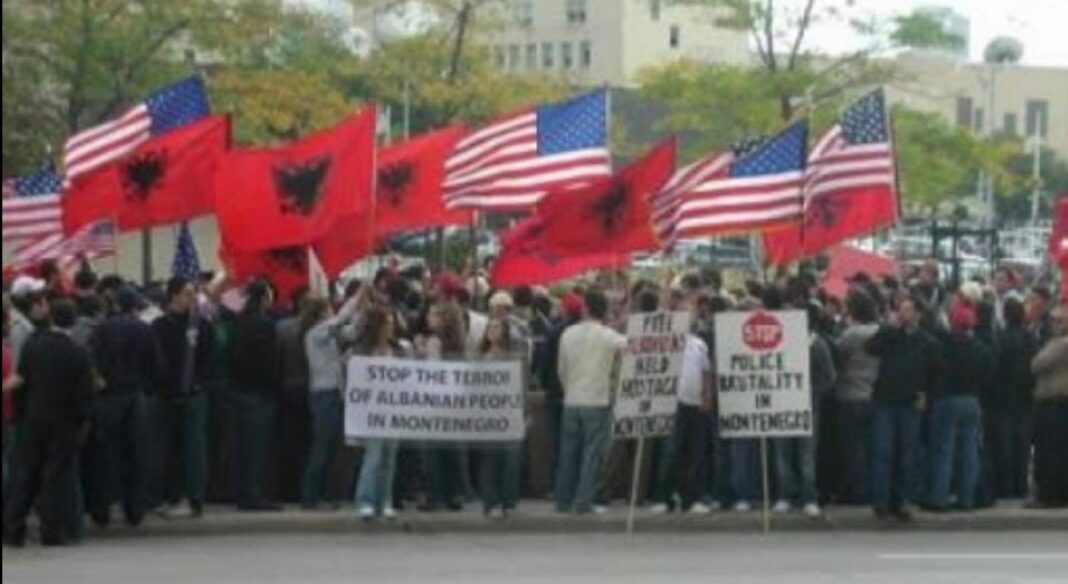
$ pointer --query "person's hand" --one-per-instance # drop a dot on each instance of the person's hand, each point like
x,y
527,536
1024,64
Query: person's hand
x,y
921,402
894,319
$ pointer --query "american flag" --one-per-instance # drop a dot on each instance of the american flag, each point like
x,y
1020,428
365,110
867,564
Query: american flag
x,y
511,164
755,187
186,262
172,107
31,207
93,241
856,153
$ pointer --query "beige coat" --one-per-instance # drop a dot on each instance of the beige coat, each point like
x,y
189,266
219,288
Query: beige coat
x,y
1051,370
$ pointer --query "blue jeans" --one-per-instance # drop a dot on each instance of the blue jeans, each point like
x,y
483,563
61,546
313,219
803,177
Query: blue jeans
x,y
956,423
117,454
374,488
499,476
795,470
853,436
584,441
745,470
683,463
255,417
443,471
180,427
326,410
895,433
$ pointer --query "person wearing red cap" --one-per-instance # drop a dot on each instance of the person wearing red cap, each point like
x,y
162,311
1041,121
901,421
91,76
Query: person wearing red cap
x,y
956,414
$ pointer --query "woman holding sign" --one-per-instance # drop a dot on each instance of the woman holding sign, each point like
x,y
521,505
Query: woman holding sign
x,y
500,462
374,489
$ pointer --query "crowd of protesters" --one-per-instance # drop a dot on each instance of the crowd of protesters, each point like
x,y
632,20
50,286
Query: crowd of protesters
x,y
924,395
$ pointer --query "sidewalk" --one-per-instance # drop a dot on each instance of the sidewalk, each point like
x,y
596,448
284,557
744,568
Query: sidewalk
x,y
539,517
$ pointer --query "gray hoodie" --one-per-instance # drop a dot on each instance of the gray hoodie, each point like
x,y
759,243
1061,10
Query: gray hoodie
x,y
322,344
858,369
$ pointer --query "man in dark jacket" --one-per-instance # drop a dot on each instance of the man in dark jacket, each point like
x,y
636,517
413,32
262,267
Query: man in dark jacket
x,y
908,372
53,406
181,403
127,360
254,395
571,307
291,419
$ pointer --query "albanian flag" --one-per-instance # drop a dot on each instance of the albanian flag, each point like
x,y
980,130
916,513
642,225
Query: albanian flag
x,y
348,242
409,189
285,268
292,196
168,179
612,214
524,260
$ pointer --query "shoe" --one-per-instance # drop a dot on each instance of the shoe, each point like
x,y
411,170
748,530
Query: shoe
x,y
881,514
135,519
389,513
903,515
495,513
600,510
659,509
455,506
742,507
100,518
700,509
781,508
55,541
367,513
715,506
179,511
196,509
813,511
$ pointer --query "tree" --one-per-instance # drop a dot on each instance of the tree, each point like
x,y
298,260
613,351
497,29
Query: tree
x,y
1015,201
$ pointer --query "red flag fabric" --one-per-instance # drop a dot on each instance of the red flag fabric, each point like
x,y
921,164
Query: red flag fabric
x,y
850,184
285,268
611,214
845,262
410,176
348,242
524,260
168,179
292,196
1058,241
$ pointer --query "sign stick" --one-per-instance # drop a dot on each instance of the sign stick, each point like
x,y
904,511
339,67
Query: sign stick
x,y
767,484
638,456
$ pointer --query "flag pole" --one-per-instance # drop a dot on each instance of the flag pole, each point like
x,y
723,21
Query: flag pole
x,y
638,457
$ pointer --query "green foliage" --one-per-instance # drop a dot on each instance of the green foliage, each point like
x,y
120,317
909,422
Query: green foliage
x,y
920,31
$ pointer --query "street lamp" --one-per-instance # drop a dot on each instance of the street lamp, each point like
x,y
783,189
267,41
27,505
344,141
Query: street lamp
x,y
999,52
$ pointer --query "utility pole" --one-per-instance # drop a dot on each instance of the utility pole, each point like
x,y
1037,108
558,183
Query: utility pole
x,y
1036,169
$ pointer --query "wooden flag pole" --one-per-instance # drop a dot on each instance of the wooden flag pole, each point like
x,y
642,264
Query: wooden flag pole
x,y
767,484
638,457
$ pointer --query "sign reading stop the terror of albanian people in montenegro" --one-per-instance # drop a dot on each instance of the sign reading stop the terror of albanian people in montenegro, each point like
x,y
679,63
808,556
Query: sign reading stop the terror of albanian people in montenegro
x,y
762,365
648,388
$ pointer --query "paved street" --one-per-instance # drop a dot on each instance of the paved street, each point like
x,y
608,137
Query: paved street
x,y
795,558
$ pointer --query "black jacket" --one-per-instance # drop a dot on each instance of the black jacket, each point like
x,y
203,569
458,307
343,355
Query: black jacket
x,y
125,354
547,371
1014,384
255,356
967,367
173,338
58,382
909,365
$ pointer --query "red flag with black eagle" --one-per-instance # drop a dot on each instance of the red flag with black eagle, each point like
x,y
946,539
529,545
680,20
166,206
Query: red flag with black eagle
x,y
168,179
524,260
294,195
410,176
1058,242
285,268
609,215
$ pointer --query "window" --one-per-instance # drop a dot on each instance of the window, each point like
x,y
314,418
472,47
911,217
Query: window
x,y
654,9
1037,117
965,105
513,57
547,54
532,56
567,59
977,124
585,54
1010,125
524,13
576,11
499,55
676,36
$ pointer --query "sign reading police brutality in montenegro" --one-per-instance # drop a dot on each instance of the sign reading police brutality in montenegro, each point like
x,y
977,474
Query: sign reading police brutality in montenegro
x,y
400,399
648,388
762,365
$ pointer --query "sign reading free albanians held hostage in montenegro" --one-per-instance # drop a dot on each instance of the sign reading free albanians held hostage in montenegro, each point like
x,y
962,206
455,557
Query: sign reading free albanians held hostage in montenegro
x,y
446,401
762,374
648,387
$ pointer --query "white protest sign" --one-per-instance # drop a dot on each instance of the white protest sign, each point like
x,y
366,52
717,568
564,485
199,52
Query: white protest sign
x,y
762,374
447,401
648,387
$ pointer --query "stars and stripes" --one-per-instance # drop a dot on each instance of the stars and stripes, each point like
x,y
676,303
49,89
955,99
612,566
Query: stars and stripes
x,y
511,164
93,241
855,154
172,107
31,206
186,262
750,189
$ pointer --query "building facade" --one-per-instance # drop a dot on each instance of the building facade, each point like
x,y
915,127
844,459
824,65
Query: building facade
x,y
594,42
